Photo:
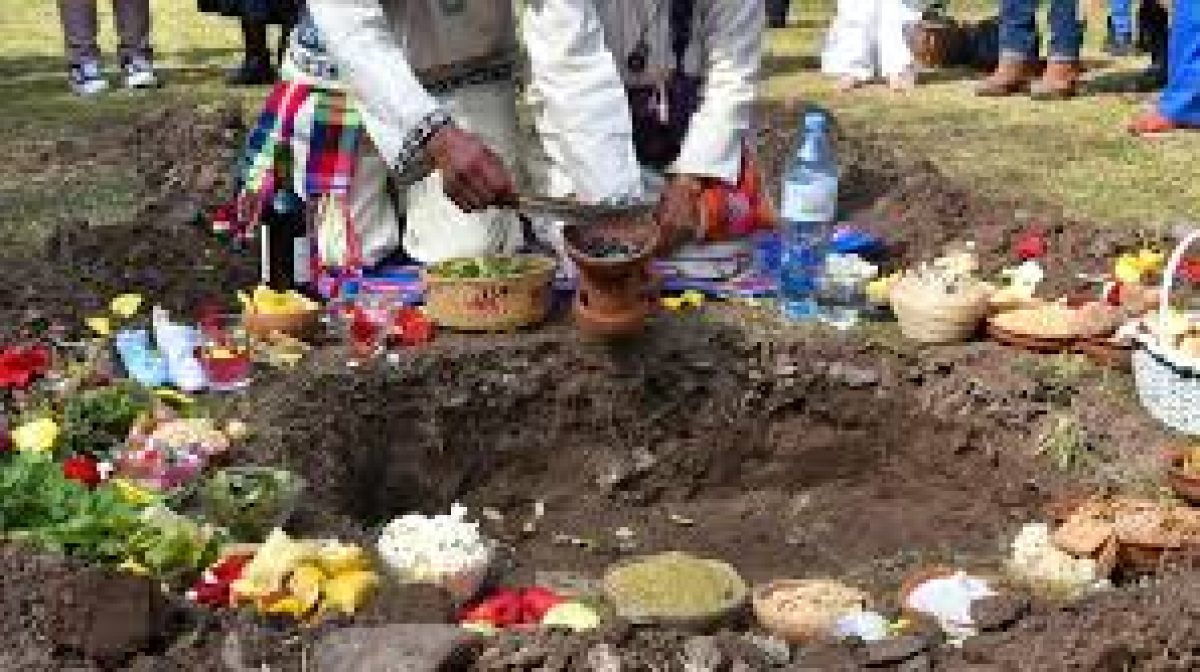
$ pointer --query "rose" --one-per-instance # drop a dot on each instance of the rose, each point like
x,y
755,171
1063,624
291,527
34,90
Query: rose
x,y
19,366
82,469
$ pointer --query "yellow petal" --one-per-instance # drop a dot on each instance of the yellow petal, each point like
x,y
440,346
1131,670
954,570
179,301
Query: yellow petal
x,y
176,396
1151,261
126,305
346,592
672,302
287,606
305,585
133,494
1127,271
336,558
275,560
102,326
134,567
37,436
693,297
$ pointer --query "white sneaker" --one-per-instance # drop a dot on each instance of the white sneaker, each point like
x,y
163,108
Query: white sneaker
x,y
139,74
86,79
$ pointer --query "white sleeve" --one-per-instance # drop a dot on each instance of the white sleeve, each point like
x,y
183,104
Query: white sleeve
x,y
582,114
734,35
398,113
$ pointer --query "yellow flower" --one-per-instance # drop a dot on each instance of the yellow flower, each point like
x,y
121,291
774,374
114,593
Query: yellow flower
x,y
126,305
1151,261
346,592
337,558
286,606
1127,270
133,494
37,436
101,325
168,394
305,585
134,567
672,303
693,298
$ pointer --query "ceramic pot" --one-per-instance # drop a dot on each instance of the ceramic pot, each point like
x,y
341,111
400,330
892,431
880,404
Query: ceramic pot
x,y
616,293
1186,485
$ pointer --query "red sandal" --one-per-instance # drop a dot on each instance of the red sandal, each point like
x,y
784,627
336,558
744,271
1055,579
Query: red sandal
x,y
1152,122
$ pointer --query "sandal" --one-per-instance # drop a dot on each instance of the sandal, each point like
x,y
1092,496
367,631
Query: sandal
x,y
1153,122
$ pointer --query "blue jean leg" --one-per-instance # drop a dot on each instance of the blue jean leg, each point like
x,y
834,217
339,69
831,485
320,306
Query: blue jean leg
x,y
1018,29
1180,101
1066,34
1121,12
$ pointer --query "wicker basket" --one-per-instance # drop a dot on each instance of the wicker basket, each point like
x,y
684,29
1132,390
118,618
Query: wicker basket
x,y
817,606
491,304
953,319
1168,383
937,42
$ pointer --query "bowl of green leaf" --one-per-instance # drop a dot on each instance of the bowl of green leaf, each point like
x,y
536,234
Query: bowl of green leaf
x,y
495,293
250,501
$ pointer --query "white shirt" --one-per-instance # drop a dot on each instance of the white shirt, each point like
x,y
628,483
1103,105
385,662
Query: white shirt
x,y
578,52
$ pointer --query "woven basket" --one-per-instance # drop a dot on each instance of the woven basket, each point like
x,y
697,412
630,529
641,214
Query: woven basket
x,y
937,42
1168,383
491,304
811,618
955,319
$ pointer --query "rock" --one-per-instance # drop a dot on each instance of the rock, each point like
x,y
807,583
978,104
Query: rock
x,y
893,651
919,663
999,612
106,615
394,648
701,654
602,658
853,377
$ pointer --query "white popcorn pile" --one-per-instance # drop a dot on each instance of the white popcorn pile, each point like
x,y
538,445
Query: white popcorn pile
x,y
1036,559
425,548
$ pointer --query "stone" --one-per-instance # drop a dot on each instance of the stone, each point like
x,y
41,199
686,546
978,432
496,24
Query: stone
x,y
919,663
701,654
394,648
106,615
894,651
999,612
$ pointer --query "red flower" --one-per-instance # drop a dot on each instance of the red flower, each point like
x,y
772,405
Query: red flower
x,y
1031,245
19,366
1189,270
82,469
412,327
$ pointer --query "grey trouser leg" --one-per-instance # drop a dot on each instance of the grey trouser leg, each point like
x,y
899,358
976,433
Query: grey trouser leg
x,y
79,29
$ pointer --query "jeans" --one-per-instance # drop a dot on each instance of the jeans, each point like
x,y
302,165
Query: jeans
x,y
1121,12
1180,101
80,27
1018,30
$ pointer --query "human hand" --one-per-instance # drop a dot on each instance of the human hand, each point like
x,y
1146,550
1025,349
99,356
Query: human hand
x,y
473,176
678,212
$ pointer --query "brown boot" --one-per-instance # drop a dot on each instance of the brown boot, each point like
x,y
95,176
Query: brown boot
x,y
1011,77
1058,82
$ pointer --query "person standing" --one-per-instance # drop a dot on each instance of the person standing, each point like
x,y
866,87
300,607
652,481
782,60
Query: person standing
x,y
1153,34
1179,105
85,75
256,16
1019,51
870,37
1119,41
643,99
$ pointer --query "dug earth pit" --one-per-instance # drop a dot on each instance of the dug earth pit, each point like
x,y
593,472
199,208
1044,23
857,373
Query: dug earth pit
x,y
583,454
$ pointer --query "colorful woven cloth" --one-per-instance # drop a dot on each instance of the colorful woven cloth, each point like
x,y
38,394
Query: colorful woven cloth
x,y
306,142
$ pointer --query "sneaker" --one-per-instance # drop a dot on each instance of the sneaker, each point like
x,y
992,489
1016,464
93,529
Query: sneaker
x,y
139,74
86,79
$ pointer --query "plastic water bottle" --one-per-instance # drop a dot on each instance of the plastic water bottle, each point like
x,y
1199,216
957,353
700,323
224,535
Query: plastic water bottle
x,y
808,209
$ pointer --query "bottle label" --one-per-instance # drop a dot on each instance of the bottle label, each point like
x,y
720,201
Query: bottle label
x,y
812,202
301,261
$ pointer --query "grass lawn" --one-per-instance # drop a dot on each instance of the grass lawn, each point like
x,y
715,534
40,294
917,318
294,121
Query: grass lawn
x,y
1073,154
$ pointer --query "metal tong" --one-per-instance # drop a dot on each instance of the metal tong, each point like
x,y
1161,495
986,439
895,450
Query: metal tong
x,y
573,212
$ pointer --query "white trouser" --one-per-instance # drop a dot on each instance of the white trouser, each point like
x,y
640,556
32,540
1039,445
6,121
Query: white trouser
x,y
870,37
435,229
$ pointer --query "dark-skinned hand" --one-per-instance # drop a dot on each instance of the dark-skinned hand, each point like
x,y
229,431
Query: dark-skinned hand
x,y
473,176
678,212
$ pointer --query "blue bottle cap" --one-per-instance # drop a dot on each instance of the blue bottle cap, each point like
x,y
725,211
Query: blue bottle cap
x,y
815,120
